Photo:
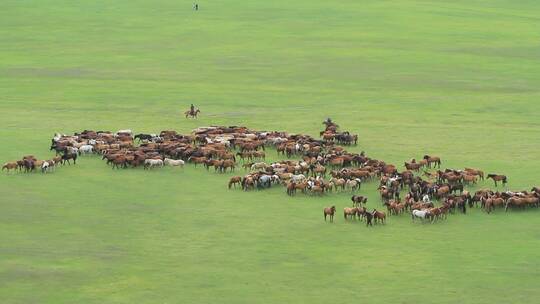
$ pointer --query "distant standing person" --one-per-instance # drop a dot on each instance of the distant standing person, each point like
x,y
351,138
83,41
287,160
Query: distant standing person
x,y
196,6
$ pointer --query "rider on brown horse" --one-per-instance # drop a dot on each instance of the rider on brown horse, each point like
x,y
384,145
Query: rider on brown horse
x,y
192,110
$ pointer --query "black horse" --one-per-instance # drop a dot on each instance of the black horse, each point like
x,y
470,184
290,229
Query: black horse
x,y
140,137
67,156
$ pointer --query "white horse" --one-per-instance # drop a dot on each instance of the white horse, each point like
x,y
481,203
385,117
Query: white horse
x,y
72,150
151,163
257,166
354,184
45,167
126,131
421,214
86,149
173,162
298,178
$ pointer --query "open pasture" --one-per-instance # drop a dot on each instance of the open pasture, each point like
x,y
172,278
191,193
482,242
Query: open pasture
x,y
458,80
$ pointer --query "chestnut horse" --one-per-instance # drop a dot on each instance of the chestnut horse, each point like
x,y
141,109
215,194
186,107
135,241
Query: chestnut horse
x,y
9,166
329,211
350,213
379,216
235,180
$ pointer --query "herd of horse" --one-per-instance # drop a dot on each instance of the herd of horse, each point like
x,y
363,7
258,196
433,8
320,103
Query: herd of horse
x,y
314,166
29,163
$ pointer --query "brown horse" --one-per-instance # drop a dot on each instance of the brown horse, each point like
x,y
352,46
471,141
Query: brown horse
x,y
469,178
379,216
227,164
29,165
197,160
498,178
413,166
291,188
493,202
192,114
235,180
329,211
9,166
475,172
349,213
433,160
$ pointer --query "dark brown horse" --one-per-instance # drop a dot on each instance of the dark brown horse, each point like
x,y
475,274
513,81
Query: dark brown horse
x,y
433,160
329,211
369,218
192,114
67,156
357,200
29,165
413,166
498,178
291,188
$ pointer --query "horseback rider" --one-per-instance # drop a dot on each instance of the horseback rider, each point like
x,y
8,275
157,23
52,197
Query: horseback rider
x,y
192,110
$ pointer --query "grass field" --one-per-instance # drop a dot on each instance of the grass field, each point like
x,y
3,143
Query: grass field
x,y
457,79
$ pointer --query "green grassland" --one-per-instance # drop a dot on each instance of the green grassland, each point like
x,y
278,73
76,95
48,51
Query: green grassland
x,y
457,79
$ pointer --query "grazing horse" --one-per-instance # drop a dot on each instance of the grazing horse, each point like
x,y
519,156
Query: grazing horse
x,y
358,199
329,211
235,180
432,160
192,114
9,166
498,178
